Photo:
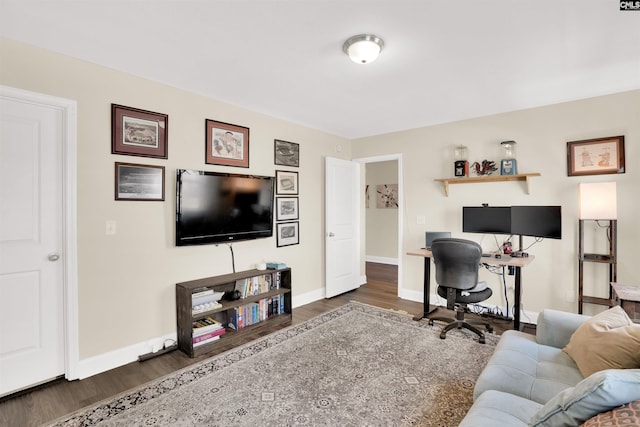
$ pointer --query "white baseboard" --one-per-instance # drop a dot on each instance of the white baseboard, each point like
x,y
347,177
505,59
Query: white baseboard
x,y
113,359
381,260
307,297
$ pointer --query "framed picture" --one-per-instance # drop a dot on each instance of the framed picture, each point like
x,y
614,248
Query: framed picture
x,y
139,182
286,153
136,132
595,156
387,196
286,208
226,144
288,233
286,182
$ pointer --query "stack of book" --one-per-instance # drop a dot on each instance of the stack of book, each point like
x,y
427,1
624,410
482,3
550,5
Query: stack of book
x,y
254,285
252,313
205,300
206,330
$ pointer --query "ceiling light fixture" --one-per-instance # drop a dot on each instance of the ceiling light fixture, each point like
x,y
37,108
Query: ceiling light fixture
x,y
363,48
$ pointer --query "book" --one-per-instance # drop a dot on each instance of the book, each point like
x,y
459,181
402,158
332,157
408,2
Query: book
x,y
276,265
206,336
207,341
206,325
201,308
202,293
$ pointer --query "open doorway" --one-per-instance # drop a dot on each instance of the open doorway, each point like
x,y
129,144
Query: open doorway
x,y
381,227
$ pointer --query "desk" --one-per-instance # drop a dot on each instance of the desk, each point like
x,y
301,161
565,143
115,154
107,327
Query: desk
x,y
506,260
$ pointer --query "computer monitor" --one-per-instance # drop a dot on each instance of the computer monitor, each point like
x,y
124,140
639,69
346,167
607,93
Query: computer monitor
x,y
430,236
486,219
537,221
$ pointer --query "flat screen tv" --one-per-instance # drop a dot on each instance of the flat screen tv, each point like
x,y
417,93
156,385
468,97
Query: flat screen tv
x,y
486,219
216,207
537,221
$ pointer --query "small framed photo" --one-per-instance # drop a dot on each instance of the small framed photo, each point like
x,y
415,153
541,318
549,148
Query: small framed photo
x,y
286,208
139,182
286,182
226,144
286,153
136,132
596,156
288,233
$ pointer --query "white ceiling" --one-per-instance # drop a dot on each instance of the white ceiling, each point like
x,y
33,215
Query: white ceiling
x,y
443,60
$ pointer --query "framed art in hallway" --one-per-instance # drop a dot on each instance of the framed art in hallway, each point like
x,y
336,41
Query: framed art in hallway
x,y
286,182
288,233
286,208
226,144
286,153
139,182
136,132
596,156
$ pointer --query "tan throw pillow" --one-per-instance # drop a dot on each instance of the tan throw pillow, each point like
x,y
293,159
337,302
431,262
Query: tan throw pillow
x,y
609,340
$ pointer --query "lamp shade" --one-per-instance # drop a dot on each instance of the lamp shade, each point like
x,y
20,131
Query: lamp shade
x,y
598,200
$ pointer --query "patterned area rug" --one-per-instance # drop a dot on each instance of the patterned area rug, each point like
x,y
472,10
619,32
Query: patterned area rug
x,y
357,365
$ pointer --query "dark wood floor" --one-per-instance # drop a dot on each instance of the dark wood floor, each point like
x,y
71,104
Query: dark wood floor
x,y
54,400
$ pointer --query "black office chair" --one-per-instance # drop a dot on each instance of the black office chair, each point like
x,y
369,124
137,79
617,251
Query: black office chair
x,y
457,263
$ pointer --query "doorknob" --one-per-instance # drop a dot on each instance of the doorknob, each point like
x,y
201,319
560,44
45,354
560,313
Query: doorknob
x,y
53,256
331,234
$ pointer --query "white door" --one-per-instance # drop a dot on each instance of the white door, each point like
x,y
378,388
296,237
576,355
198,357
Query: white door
x,y
342,202
31,226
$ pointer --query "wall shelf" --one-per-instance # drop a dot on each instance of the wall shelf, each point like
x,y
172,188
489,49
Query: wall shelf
x,y
490,178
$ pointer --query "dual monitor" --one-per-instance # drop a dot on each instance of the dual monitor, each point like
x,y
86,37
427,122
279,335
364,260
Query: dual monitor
x,y
534,221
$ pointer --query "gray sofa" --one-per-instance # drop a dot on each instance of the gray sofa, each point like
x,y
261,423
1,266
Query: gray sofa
x,y
530,381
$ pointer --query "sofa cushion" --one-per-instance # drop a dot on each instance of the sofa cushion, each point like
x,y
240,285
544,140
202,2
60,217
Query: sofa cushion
x,y
625,415
609,340
602,391
495,408
522,367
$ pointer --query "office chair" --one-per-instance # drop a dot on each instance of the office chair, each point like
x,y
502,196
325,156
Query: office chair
x,y
457,263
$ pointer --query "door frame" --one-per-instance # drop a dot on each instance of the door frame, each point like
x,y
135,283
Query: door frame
x,y
384,158
69,111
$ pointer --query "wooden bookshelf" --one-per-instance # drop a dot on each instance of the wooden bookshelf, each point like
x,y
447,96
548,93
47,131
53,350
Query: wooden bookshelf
x,y
225,314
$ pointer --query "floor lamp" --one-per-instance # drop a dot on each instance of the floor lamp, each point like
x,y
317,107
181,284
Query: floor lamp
x,y
597,203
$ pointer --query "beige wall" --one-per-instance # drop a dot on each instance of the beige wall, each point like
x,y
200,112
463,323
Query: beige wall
x,y
126,281
381,224
541,135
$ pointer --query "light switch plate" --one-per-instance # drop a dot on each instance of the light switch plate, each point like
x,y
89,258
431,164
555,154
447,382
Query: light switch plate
x,y
110,228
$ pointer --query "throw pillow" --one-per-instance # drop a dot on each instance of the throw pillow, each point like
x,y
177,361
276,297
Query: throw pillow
x,y
626,415
602,391
609,340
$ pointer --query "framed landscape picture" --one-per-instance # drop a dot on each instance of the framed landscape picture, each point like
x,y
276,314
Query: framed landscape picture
x,y
286,182
136,132
288,233
286,153
226,144
139,182
286,208
596,156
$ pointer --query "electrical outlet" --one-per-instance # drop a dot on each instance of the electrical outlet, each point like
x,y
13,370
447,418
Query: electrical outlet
x,y
421,220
